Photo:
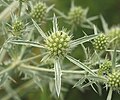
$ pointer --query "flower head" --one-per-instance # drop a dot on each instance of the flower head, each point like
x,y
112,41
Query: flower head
x,y
77,15
114,80
39,11
105,67
58,43
114,34
100,42
17,26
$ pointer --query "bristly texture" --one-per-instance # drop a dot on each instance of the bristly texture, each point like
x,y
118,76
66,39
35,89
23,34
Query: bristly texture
x,y
17,26
39,12
58,43
114,34
114,80
105,68
77,15
101,42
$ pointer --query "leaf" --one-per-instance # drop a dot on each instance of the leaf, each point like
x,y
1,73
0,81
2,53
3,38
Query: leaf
x,y
27,43
80,82
57,69
60,13
95,30
49,8
39,30
114,58
82,40
80,64
55,25
104,24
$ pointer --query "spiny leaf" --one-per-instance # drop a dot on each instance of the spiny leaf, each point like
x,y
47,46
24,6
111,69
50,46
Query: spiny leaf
x,y
82,40
104,24
39,30
57,76
114,58
27,43
55,26
80,64
80,82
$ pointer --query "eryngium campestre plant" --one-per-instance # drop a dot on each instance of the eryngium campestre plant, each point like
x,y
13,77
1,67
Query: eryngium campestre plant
x,y
57,45
39,11
114,80
105,68
101,42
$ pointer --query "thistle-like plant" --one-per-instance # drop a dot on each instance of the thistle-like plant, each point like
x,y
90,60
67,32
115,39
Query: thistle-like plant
x,y
58,45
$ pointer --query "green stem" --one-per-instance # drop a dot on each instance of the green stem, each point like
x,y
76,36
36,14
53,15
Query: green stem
x,y
52,70
13,65
109,97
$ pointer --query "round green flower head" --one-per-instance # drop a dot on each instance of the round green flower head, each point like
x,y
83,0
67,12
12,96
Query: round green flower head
x,y
114,80
77,15
105,68
39,11
58,43
18,26
114,33
100,43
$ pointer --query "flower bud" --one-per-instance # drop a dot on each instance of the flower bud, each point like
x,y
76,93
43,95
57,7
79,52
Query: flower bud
x,y
18,26
100,43
105,68
77,15
58,43
39,12
114,80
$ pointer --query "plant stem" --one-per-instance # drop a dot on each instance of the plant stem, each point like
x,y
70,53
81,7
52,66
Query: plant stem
x,y
109,97
52,70
13,65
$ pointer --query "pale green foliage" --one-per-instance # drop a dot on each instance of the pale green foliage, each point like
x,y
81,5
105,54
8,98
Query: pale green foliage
x,y
46,57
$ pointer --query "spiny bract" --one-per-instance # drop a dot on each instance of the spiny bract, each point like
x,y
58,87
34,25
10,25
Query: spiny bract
x,y
114,80
58,43
39,11
100,43
77,15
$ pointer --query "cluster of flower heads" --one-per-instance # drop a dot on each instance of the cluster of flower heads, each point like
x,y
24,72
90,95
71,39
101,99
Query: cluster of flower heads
x,y
58,43
77,15
39,11
101,42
